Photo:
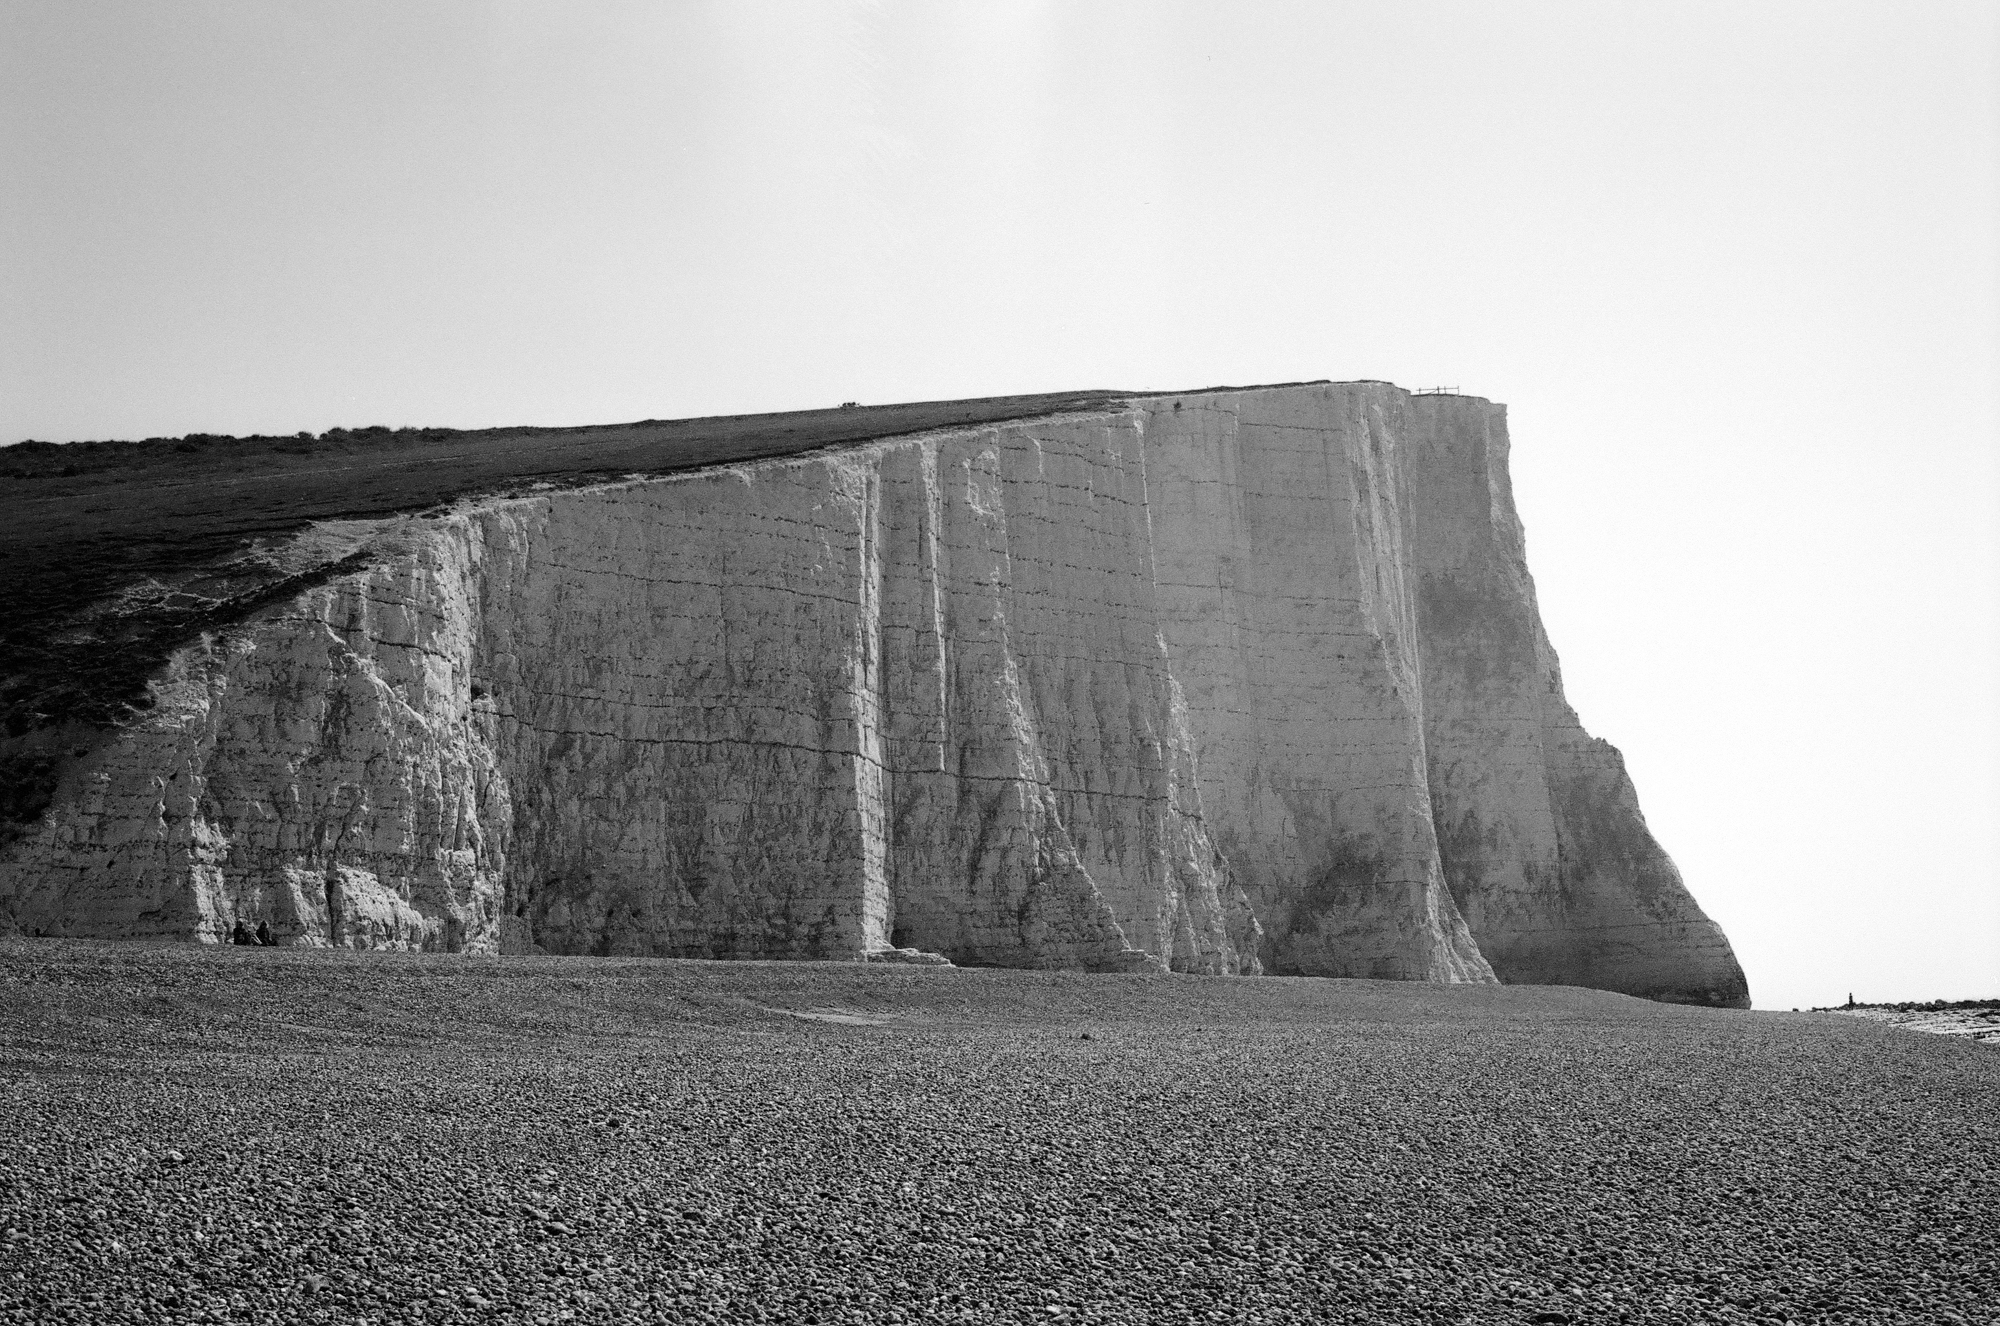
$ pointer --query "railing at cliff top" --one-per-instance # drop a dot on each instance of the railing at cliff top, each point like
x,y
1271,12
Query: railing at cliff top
x,y
1437,391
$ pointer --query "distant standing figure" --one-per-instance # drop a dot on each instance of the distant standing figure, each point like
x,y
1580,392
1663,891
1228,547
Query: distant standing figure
x,y
264,934
241,934
1850,999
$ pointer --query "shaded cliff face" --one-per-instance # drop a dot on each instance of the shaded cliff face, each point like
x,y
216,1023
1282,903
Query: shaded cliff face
x,y
1229,682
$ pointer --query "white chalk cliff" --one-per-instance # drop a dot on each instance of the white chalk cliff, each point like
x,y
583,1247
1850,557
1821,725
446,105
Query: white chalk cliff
x,y
1231,682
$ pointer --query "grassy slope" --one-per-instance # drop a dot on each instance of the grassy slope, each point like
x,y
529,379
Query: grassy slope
x,y
411,1137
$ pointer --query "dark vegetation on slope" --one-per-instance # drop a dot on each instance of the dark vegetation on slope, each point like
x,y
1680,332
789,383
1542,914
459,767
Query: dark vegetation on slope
x,y
289,1135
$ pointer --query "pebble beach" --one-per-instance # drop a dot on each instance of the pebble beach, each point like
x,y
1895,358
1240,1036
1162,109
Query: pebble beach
x,y
279,1135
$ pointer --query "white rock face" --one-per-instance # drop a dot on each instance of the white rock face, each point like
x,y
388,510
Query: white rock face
x,y
1230,682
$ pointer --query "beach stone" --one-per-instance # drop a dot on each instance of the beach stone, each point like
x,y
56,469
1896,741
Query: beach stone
x,y
913,957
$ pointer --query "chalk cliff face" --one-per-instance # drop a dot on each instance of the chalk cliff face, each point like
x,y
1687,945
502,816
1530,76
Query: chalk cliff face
x,y
1231,682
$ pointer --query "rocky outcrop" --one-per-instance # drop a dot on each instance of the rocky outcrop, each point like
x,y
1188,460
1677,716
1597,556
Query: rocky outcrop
x,y
1228,682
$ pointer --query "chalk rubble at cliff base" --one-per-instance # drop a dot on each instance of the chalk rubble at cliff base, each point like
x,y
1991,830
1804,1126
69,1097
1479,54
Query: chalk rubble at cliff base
x,y
1236,682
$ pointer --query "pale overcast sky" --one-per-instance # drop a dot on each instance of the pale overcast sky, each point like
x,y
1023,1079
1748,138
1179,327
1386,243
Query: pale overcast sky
x,y
1732,266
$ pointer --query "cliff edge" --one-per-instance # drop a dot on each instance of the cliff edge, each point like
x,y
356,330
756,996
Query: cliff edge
x,y
1235,681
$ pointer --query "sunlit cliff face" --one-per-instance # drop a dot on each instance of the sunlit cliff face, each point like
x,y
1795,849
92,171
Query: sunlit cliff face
x,y
1233,682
